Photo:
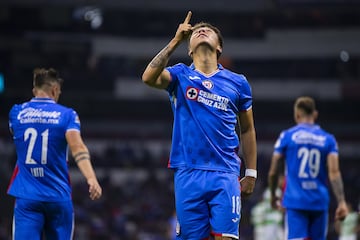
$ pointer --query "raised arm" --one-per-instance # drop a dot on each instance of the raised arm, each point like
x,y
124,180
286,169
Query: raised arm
x,y
154,74
82,158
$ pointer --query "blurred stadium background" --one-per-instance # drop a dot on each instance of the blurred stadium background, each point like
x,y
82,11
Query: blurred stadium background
x,y
286,48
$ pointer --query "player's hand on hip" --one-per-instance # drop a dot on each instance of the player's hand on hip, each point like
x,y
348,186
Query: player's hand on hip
x,y
247,185
95,190
184,29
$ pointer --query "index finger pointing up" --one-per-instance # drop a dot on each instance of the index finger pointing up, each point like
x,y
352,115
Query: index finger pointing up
x,y
188,17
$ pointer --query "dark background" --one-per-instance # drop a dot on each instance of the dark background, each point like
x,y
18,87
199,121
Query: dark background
x,y
286,48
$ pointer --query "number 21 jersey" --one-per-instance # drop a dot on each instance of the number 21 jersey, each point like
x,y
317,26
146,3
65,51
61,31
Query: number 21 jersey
x,y
39,127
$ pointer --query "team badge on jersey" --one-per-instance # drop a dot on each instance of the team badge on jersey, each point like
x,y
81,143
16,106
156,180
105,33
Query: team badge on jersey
x,y
191,93
208,84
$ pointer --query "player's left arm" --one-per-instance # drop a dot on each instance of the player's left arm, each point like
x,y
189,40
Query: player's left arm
x,y
337,185
81,155
249,150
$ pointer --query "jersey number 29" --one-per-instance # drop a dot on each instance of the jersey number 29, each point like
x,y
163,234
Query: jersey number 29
x,y
310,159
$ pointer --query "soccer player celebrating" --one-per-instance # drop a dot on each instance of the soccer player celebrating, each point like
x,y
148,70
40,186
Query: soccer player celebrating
x,y
311,160
42,131
208,102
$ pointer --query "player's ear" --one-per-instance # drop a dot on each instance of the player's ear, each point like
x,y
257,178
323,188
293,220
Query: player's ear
x,y
316,114
54,90
219,49
190,53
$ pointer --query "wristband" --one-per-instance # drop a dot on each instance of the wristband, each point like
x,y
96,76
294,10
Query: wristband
x,y
251,173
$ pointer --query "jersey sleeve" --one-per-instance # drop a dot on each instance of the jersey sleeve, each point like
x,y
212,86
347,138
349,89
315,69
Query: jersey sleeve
x,y
280,144
174,71
245,95
11,117
333,146
73,121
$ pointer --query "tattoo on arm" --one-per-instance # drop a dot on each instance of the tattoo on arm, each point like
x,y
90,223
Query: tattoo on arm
x,y
81,156
338,189
161,59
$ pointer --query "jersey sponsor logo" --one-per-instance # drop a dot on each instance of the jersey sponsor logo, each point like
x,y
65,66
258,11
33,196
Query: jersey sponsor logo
x,y
207,98
33,115
304,137
194,78
208,84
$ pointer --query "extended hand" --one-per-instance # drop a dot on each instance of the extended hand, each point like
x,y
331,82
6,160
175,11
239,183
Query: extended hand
x,y
184,29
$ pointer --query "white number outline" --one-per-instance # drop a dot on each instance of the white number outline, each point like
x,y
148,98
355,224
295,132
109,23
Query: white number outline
x,y
309,157
33,134
236,205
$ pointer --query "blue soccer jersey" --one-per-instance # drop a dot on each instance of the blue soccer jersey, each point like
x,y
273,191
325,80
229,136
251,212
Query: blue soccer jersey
x,y
305,148
41,171
205,109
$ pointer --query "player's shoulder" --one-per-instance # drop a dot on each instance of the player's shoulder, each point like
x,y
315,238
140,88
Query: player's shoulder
x,y
238,76
64,109
18,107
179,66
289,130
231,72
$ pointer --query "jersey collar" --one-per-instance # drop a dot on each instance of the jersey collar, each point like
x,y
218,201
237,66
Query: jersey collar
x,y
42,99
311,125
220,67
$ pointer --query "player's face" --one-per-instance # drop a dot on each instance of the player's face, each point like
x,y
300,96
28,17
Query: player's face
x,y
204,35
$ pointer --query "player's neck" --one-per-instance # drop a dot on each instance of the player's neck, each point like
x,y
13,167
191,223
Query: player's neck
x,y
42,94
205,59
306,121
205,65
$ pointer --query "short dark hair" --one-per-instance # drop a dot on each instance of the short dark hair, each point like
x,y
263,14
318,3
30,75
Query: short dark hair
x,y
215,29
306,104
42,76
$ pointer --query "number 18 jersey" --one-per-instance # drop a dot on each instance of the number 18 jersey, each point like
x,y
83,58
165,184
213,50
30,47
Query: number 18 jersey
x,y
41,172
305,148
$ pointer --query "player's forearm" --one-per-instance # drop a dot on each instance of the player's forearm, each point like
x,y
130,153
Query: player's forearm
x,y
248,142
337,187
273,175
273,179
86,169
158,63
82,159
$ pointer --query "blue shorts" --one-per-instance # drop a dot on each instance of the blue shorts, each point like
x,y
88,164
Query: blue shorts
x,y
33,219
301,224
207,202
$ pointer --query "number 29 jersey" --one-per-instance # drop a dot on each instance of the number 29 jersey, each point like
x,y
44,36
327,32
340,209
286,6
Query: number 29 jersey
x,y
306,148
41,172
